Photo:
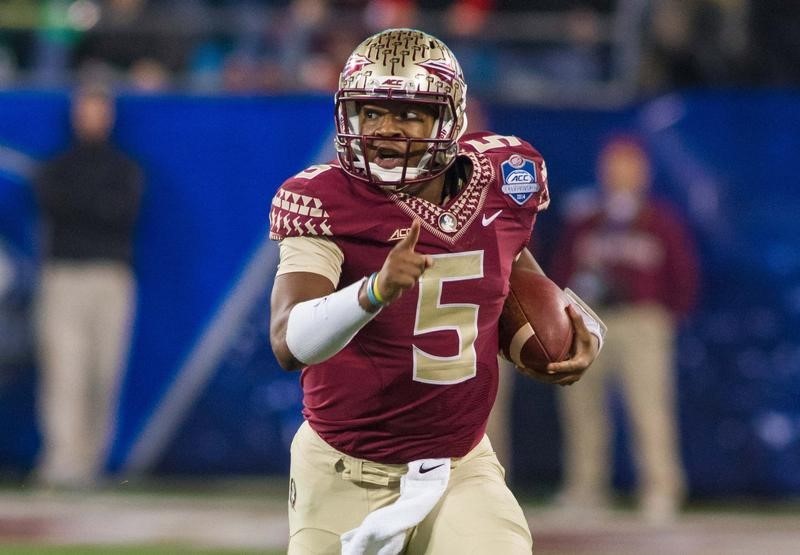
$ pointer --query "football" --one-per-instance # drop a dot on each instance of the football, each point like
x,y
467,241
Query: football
x,y
534,328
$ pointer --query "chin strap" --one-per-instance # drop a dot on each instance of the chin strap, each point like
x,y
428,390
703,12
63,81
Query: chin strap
x,y
392,175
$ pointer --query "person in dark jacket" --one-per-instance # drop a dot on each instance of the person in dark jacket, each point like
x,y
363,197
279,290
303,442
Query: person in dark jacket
x,y
89,198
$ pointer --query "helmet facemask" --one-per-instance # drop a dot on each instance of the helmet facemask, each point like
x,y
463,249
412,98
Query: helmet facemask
x,y
436,152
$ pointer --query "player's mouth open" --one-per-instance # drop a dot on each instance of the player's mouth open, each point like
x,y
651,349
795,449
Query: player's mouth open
x,y
388,158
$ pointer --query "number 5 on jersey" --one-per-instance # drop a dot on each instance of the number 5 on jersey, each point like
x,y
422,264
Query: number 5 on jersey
x,y
433,315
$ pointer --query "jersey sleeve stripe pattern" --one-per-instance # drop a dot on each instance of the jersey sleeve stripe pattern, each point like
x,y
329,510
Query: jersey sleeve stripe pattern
x,y
294,214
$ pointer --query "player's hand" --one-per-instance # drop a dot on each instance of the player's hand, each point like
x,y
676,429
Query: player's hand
x,y
403,266
585,348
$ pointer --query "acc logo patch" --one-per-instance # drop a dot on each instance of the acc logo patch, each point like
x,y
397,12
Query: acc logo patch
x,y
400,233
519,178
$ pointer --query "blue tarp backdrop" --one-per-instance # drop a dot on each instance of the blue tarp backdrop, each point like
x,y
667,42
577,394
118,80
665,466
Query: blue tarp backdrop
x,y
202,394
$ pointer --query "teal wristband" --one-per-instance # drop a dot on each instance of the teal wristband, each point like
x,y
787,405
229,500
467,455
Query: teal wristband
x,y
371,292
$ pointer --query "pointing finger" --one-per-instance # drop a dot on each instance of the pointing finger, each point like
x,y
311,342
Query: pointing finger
x,y
410,240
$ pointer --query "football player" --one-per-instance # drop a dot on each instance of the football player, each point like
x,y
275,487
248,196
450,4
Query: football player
x,y
394,266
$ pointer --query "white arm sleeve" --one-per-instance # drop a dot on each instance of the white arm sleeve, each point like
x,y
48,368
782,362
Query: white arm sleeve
x,y
319,328
593,322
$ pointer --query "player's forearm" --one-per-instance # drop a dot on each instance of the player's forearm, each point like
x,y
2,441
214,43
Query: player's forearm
x,y
317,329
277,339
289,289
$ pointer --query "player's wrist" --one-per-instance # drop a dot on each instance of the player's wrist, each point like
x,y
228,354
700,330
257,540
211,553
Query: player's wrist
x,y
593,323
370,297
376,288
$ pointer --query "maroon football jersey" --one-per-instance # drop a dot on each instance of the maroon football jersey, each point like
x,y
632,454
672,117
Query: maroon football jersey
x,y
419,380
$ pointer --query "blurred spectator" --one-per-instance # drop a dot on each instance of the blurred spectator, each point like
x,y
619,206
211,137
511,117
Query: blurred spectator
x,y
465,22
577,59
635,262
670,59
321,71
468,18
302,23
294,49
387,14
149,75
129,31
547,50
89,198
241,74
690,43
775,27
8,66
205,67
313,38
318,73
55,40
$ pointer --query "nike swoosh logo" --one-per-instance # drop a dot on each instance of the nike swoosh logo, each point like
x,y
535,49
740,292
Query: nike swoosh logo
x,y
486,221
423,470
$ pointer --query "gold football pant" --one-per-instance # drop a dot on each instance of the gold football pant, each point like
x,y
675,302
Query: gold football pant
x,y
331,493
84,311
638,354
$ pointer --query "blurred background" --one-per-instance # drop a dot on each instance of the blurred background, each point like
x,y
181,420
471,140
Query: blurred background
x,y
222,100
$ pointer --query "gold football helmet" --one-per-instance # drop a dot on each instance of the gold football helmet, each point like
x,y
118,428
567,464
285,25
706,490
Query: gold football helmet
x,y
411,67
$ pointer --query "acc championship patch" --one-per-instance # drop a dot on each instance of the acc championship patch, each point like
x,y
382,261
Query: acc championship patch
x,y
519,178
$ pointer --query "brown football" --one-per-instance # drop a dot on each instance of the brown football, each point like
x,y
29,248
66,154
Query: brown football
x,y
534,326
